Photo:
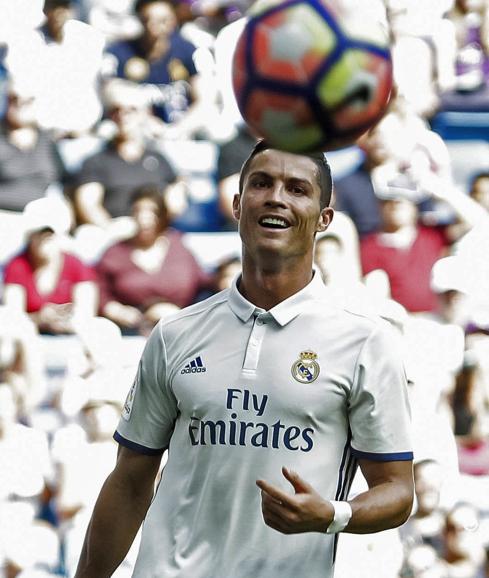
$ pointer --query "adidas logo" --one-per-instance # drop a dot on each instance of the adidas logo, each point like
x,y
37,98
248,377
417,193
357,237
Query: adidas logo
x,y
195,366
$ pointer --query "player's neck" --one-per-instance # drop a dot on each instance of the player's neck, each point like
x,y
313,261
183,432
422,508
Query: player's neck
x,y
266,287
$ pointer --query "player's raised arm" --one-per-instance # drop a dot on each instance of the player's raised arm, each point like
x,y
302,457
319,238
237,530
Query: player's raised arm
x,y
118,513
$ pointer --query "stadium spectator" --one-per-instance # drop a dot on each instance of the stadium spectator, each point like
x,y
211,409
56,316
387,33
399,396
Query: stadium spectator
x,y
479,189
423,49
462,541
57,12
106,179
427,521
231,156
26,451
21,362
90,401
53,286
422,561
29,161
470,19
337,253
224,47
62,61
470,406
449,284
405,249
163,61
418,149
113,18
226,271
151,274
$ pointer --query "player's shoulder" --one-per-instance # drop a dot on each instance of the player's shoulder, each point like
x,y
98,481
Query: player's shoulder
x,y
193,315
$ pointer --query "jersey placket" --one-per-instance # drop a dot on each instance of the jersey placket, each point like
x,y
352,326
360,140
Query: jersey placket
x,y
255,341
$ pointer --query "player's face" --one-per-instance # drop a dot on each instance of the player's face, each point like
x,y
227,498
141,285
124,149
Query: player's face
x,y
279,210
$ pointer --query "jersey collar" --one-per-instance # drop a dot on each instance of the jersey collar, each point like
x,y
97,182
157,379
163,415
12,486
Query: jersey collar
x,y
285,311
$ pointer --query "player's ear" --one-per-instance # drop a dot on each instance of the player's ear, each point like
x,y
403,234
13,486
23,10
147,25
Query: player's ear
x,y
325,218
237,206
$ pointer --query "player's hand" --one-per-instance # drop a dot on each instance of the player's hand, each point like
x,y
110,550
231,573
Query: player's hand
x,y
304,511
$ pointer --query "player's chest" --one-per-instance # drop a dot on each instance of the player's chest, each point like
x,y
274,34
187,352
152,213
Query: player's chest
x,y
264,372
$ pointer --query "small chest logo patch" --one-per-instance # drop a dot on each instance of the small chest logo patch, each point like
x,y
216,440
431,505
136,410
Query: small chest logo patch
x,y
306,368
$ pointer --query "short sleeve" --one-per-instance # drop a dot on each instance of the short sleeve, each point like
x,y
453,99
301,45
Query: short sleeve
x,y
167,173
16,272
90,172
150,410
78,272
379,410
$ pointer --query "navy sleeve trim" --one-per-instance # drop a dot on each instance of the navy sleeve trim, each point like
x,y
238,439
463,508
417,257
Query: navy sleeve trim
x,y
394,457
136,447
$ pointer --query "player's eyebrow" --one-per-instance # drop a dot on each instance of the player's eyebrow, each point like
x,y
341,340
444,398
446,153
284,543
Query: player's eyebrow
x,y
290,179
262,174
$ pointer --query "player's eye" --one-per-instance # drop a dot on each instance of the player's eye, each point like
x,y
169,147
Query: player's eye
x,y
260,183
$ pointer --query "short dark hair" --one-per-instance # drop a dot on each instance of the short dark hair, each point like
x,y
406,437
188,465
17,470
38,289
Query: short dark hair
x,y
325,179
52,4
140,4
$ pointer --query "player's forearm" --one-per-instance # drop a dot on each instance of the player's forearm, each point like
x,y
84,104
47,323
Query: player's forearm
x,y
116,518
382,507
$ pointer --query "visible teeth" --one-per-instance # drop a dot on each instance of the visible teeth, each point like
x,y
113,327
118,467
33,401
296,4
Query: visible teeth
x,y
274,221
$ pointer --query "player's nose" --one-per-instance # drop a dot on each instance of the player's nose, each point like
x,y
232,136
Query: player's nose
x,y
276,195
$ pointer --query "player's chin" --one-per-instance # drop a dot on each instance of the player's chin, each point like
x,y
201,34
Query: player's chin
x,y
276,242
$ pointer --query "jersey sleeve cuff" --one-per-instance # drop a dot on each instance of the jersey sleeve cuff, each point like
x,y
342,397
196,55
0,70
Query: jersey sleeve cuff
x,y
140,449
383,457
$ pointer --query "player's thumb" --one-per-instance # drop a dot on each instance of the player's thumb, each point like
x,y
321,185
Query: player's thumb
x,y
300,485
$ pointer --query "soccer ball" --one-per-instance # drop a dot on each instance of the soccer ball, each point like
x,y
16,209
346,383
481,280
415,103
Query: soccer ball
x,y
312,74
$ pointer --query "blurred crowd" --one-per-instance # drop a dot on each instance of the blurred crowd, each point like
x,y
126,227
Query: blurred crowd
x,y
120,151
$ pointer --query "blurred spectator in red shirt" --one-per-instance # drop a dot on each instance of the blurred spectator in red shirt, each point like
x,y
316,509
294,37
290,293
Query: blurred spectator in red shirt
x,y
401,138
151,274
51,285
403,248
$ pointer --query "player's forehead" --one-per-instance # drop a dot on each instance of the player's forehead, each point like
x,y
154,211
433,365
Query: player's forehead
x,y
281,164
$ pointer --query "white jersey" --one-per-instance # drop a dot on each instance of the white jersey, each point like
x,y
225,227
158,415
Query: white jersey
x,y
235,393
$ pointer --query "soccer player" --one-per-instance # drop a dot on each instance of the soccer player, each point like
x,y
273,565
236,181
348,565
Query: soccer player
x,y
267,396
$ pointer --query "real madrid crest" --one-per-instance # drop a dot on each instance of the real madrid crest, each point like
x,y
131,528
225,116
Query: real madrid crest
x,y
306,368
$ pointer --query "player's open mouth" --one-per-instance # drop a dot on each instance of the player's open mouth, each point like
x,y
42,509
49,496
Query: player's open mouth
x,y
274,223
